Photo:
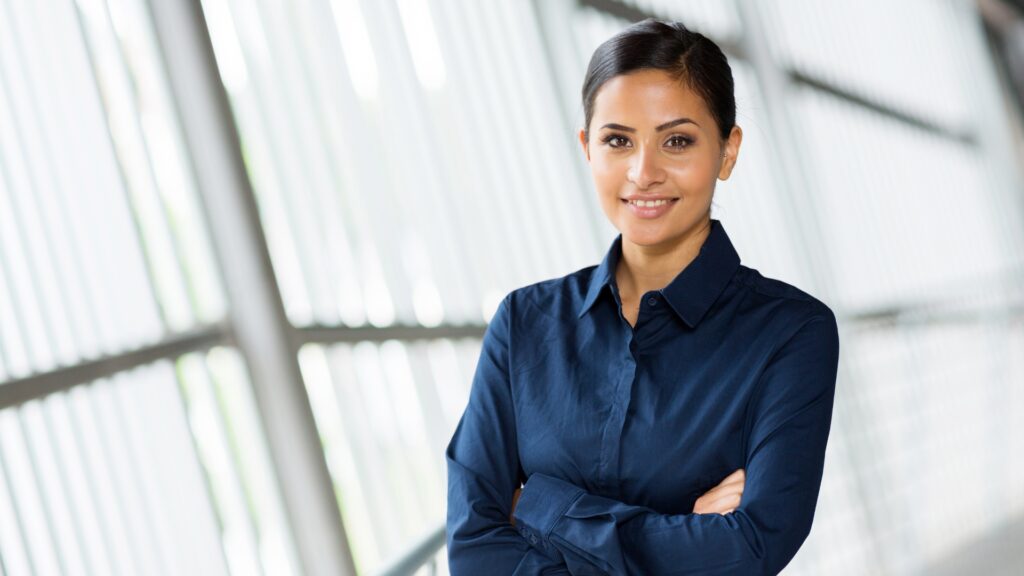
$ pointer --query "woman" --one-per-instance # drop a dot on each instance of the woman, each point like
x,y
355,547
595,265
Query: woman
x,y
668,410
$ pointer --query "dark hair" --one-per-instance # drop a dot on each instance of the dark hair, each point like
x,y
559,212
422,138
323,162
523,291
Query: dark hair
x,y
687,56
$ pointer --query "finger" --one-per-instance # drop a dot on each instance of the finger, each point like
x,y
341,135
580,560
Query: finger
x,y
712,504
726,502
719,508
706,508
512,510
722,490
738,476
734,478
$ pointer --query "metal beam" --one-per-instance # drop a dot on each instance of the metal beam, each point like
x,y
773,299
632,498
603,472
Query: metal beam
x,y
809,80
257,315
928,315
334,334
21,390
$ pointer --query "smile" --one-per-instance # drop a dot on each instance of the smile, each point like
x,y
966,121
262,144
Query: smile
x,y
648,209
651,203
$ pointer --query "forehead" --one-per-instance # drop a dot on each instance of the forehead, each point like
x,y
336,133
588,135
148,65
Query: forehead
x,y
648,97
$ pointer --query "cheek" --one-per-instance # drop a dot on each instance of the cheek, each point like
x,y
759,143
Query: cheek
x,y
693,171
605,177
608,169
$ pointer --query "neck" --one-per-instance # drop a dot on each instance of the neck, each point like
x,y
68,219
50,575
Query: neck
x,y
645,268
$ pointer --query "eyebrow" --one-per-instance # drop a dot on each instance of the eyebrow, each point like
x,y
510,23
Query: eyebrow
x,y
664,126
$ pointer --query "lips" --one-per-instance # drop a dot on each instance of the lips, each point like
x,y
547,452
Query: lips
x,y
648,213
642,197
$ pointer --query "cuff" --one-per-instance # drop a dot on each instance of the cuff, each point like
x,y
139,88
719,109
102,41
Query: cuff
x,y
541,504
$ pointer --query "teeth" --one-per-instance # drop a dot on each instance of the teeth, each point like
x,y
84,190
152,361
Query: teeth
x,y
648,203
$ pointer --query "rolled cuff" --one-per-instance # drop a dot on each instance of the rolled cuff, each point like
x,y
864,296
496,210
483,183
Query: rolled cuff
x,y
541,504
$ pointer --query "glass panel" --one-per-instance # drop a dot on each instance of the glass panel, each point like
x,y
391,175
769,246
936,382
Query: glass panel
x,y
914,60
391,194
103,246
897,213
385,413
147,472
232,449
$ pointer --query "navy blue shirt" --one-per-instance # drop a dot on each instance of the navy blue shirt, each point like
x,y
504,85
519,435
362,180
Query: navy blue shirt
x,y
616,430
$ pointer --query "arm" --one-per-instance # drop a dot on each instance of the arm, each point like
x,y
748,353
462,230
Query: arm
x,y
484,472
790,418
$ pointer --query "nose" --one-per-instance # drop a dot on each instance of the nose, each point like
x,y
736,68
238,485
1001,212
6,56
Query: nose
x,y
645,170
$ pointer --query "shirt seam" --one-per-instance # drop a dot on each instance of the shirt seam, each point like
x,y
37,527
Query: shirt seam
x,y
749,280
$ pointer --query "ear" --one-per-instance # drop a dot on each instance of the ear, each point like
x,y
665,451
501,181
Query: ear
x,y
583,143
732,152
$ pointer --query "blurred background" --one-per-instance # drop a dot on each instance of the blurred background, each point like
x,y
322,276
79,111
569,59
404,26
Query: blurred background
x,y
248,249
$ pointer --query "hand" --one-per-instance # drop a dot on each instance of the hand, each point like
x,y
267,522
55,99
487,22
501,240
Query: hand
x,y
515,498
723,498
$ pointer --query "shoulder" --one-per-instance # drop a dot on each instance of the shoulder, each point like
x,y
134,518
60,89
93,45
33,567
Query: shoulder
x,y
551,298
535,315
790,301
798,334
784,312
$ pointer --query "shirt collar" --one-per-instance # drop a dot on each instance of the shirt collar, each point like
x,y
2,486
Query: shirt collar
x,y
692,292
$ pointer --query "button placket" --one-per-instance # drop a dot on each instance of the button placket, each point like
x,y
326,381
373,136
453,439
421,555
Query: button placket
x,y
611,438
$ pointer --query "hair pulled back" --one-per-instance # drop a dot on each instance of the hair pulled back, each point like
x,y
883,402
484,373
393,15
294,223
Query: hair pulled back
x,y
685,55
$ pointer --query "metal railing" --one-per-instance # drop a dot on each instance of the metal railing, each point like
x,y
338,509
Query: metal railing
x,y
422,553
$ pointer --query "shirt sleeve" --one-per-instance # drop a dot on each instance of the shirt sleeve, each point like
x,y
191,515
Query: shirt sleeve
x,y
484,472
790,418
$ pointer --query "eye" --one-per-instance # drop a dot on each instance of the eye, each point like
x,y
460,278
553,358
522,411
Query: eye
x,y
612,137
680,142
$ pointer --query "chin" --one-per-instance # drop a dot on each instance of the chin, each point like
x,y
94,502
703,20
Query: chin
x,y
645,235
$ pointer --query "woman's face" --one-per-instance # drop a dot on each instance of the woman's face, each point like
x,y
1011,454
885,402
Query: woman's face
x,y
651,137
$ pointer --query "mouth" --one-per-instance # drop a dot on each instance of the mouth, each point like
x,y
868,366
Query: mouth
x,y
648,209
649,203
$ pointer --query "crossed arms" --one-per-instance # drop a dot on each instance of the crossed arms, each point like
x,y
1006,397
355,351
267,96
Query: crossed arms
x,y
562,529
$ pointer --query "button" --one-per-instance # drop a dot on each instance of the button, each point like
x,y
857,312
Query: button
x,y
652,301
533,539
